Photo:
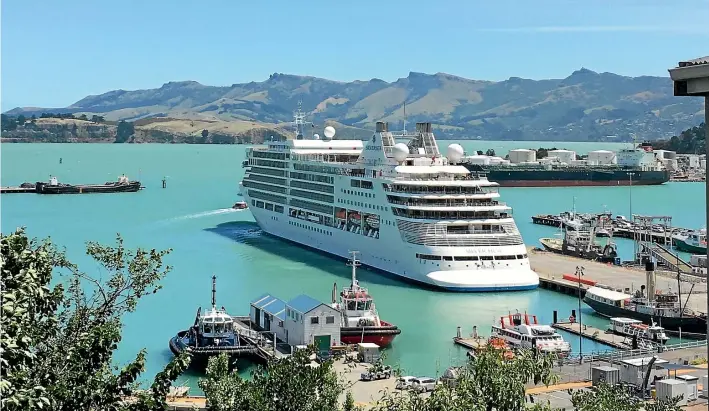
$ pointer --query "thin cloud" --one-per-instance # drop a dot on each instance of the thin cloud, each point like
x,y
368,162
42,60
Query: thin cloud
x,y
601,29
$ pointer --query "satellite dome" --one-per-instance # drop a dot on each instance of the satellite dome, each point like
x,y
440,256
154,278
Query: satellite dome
x,y
455,153
316,136
329,132
401,151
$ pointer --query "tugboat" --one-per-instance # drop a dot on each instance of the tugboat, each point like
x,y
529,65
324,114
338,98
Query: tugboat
x,y
213,333
524,332
123,185
360,322
694,242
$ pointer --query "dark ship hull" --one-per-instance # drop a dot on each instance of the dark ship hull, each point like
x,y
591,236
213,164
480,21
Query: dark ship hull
x,y
520,176
45,188
200,355
688,324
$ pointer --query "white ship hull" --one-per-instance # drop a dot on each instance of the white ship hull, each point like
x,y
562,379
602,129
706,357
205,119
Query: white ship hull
x,y
391,255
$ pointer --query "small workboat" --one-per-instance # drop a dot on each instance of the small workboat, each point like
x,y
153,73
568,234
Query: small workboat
x,y
635,328
524,331
240,205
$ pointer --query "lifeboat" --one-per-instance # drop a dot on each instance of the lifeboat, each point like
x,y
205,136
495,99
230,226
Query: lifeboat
x,y
240,205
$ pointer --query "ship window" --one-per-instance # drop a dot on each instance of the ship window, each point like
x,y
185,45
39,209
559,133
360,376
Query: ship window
x,y
466,258
351,305
330,320
360,305
520,256
448,258
486,258
280,323
314,320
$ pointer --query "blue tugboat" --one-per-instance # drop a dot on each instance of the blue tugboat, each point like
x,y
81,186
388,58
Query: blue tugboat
x,y
213,333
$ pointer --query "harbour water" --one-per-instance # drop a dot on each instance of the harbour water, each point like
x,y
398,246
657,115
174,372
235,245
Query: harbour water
x,y
193,217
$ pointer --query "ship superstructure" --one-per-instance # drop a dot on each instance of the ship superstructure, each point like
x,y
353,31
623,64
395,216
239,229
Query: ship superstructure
x,y
409,210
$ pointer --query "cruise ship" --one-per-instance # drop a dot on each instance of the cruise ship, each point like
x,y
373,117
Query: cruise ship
x,y
409,210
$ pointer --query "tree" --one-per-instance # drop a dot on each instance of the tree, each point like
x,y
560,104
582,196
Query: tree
x,y
290,384
205,133
7,123
33,119
490,152
97,119
125,130
21,119
83,117
488,381
58,342
606,397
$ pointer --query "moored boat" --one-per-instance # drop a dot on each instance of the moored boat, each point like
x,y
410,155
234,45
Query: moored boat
x,y
212,333
694,242
525,332
635,328
123,185
360,322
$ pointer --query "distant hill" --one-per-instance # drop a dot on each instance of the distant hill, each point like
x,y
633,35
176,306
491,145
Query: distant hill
x,y
586,106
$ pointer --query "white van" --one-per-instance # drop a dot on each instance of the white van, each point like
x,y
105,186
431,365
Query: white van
x,y
423,384
404,383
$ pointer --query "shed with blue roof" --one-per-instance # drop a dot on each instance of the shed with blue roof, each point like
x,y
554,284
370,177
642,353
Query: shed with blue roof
x,y
310,321
268,313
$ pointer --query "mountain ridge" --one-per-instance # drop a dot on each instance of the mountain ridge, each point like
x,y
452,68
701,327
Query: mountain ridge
x,y
584,106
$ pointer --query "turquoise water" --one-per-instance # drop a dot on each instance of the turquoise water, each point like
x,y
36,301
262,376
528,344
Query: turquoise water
x,y
192,216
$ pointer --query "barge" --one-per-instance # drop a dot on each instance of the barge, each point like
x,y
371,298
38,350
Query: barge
x,y
123,185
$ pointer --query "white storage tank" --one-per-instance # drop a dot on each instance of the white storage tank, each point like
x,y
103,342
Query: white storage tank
x,y
522,155
477,159
603,157
670,388
564,156
495,160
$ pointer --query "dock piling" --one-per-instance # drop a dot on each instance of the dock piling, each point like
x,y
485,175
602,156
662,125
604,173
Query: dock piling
x,y
556,317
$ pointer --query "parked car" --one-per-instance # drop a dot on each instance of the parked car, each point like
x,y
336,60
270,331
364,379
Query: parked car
x,y
376,374
423,384
404,383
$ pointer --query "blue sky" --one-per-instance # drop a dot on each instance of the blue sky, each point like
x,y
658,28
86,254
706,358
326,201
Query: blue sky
x,y
56,52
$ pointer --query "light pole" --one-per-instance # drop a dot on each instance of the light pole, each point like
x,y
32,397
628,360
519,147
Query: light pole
x,y
630,194
579,273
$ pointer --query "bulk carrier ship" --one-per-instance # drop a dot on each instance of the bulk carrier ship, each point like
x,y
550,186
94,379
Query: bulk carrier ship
x,y
410,211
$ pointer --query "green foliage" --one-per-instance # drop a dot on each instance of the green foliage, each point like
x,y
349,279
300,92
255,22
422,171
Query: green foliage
x,y
125,131
21,119
615,398
205,133
490,152
7,123
58,342
289,385
97,119
690,141
486,382
83,117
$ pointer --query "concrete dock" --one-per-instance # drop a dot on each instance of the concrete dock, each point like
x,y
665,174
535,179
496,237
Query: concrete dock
x,y
595,334
551,268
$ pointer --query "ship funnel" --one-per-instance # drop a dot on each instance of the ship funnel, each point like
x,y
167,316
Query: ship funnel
x,y
650,279
423,127
382,127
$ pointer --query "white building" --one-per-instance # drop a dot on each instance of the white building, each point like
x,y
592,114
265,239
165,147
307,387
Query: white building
x,y
268,313
309,321
564,156
688,160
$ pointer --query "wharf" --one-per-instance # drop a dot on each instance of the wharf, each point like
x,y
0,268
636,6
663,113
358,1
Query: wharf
x,y
17,190
552,267
265,347
470,343
594,334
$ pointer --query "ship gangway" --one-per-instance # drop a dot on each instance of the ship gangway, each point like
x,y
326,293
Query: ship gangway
x,y
667,258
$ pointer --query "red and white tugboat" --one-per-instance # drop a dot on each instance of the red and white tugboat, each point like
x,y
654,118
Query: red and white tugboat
x,y
360,322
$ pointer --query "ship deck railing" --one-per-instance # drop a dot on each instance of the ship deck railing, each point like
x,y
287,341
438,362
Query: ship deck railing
x,y
434,190
449,203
